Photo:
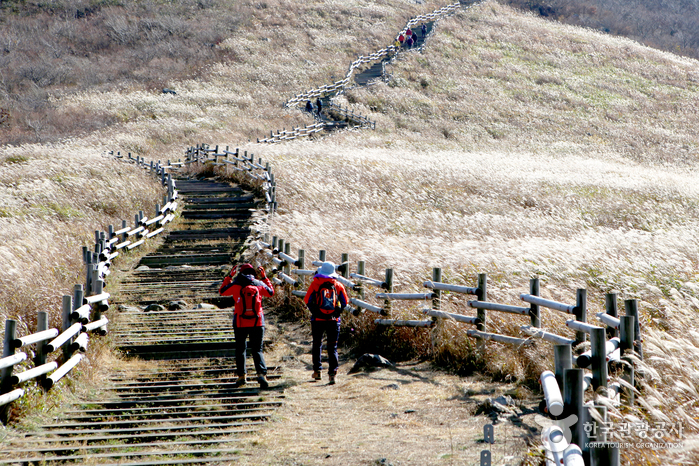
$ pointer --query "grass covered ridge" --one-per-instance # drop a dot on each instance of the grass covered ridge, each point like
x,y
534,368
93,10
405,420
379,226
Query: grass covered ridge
x,y
512,146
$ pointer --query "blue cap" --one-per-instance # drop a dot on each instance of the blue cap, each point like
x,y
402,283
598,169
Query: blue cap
x,y
328,269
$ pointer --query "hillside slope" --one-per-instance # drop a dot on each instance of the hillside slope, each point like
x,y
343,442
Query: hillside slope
x,y
512,146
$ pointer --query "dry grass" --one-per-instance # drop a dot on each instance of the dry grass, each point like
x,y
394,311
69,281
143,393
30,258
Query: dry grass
x,y
512,146
381,414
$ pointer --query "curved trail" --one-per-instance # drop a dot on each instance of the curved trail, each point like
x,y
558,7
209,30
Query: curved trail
x,y
174,401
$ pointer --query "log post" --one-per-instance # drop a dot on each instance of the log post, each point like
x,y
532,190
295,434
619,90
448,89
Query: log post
x,y
581,313
535,312
598,343
321,255
88,268
344,265
8,349
563,360
287,251
42,323
301,265
610,306
482,296
78,295
124,224
67,322
632,310
389,289
99,288
280,245
626,343
360,270
574,398
437,278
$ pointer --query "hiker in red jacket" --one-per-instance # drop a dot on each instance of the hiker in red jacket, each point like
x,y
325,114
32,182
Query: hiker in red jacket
x,y
248,317
326,298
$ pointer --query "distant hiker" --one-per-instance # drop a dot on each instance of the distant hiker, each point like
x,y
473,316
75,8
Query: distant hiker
x,y
326,298
319,105
409,32
309,106
409,42
396,44
424,30
248,317
401,39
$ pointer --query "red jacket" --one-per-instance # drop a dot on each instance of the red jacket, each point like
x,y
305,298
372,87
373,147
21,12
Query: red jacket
x,y
319,280
233,286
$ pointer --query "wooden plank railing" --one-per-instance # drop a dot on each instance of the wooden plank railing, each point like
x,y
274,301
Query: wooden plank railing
x,y
602,352
82,311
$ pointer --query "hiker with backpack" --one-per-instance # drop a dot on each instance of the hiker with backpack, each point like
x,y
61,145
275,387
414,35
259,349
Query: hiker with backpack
x,y
248,317
326,298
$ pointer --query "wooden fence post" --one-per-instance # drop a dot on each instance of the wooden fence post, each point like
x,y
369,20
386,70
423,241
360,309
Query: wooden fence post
x,y
301,266
124,224
626,333
344,265
287,251
42,323
573,398
610,306
99,288
360,270
563,360
437,278
321,255
389,289
78,295
597,453
535,312
581,313
8,349
280,245
626,342
88,268
67,322
482,296
632,310
598,364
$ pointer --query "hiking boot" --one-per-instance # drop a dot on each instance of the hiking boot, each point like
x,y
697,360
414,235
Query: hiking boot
x,y
262,381
316,375
240,381
331,379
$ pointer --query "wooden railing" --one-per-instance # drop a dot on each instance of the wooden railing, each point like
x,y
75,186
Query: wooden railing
x,y
339,86
235,161
294,133
82,311
568,381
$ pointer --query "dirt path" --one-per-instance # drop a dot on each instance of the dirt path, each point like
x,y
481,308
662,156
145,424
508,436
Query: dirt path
x,y
410,415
